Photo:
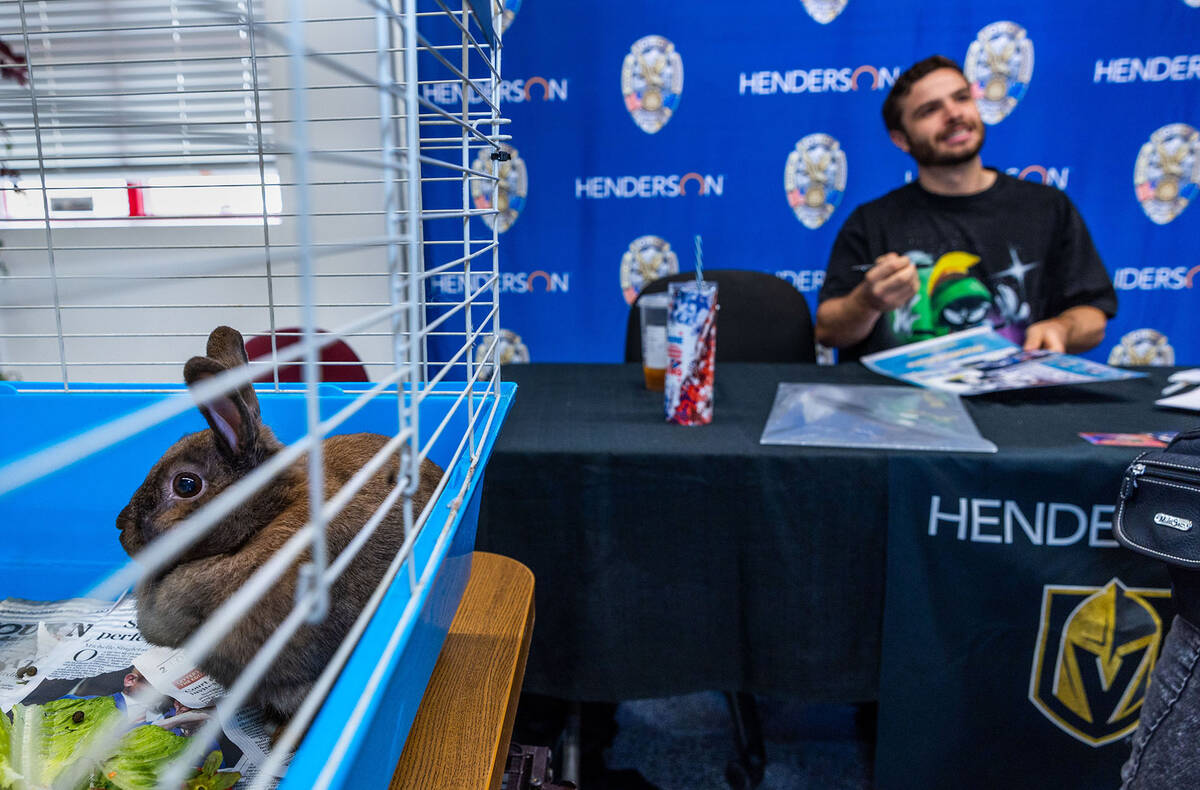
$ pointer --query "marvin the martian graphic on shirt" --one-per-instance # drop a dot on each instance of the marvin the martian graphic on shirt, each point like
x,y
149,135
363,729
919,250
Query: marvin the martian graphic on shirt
x,y
953,296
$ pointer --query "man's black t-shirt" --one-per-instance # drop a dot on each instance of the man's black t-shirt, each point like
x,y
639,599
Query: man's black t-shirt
x,y
1014,254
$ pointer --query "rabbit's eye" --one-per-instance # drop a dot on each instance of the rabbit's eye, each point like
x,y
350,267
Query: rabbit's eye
x,y
186,484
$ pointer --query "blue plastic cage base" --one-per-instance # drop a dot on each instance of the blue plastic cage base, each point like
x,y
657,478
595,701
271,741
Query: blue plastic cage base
x,y
61,539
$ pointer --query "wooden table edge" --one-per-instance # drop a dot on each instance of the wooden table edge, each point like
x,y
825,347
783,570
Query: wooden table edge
x,y
460,736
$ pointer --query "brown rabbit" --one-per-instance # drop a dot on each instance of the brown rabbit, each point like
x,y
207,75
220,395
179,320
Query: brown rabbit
x,y
173,603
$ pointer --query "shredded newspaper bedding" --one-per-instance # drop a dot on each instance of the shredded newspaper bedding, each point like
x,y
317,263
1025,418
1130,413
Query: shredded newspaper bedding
x,y
69,669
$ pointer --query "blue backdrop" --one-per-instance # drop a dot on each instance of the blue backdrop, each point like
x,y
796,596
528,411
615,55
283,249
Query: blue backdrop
x,y
638,124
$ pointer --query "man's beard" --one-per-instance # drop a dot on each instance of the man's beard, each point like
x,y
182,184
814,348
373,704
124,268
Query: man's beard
x,y
927,155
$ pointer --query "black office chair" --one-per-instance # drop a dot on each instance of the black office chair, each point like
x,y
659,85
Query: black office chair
x,y
762,318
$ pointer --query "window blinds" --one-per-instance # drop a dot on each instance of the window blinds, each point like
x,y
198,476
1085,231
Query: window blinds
x,y
133,85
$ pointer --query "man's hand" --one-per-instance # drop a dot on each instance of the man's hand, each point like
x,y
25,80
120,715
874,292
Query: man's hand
x,y
1049,334
890,283
1074,330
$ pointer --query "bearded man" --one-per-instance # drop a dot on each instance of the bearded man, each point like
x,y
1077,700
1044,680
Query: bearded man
x,y
961,246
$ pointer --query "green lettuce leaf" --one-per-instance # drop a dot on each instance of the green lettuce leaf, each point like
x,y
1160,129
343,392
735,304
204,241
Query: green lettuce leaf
x,y
8,775
210,778
140,757
43,740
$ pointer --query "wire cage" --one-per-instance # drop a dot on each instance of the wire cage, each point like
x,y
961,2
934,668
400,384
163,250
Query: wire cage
x,y
281,168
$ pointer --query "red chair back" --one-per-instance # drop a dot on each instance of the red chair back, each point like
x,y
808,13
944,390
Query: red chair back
x,y
338,361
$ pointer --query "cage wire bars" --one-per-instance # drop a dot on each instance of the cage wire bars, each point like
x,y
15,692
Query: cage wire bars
x,y
326,256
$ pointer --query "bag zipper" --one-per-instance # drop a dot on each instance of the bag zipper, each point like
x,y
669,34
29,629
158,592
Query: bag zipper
x,y
1168,473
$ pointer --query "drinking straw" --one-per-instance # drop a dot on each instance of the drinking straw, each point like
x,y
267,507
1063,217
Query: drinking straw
x,y
699,261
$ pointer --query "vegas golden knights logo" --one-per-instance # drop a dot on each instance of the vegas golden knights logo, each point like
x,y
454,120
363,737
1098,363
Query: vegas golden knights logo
x,y
1095,651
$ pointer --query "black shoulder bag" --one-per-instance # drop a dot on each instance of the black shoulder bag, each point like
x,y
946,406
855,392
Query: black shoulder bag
x,y
1159,509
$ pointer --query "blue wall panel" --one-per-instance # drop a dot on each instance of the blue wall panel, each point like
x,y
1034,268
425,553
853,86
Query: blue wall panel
x,y
759,77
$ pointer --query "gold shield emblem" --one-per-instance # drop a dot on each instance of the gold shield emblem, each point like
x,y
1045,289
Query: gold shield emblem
x,y
1166,175
814,178
507,194
1095,651
652,82
648,258
824,11
508,11
1142,347
999,65
510,350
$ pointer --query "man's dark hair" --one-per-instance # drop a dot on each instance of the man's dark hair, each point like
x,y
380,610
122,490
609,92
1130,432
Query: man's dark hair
x,y
903,85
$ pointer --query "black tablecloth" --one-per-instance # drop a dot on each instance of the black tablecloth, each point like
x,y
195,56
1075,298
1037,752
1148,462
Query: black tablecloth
x,y
671,559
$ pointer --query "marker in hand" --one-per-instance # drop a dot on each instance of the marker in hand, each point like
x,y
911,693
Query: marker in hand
x,y
890,282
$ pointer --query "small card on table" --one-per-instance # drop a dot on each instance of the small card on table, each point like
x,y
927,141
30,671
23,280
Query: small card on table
x,y
1153,439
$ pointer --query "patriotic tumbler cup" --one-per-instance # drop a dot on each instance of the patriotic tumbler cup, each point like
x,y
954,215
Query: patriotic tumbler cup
x,y
691,349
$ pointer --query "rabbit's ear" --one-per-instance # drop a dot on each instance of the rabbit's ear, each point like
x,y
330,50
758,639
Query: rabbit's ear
x,y
233,417
225,345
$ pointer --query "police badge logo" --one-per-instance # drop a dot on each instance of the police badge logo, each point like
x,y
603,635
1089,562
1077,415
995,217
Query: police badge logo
x,y
510,190
1166,175
508,10
1142,347
999,66
510,350
652,81
1095,651
824,11
648,258
814,178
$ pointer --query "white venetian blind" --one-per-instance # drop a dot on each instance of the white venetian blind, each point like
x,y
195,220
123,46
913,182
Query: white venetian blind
x,y
133,85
